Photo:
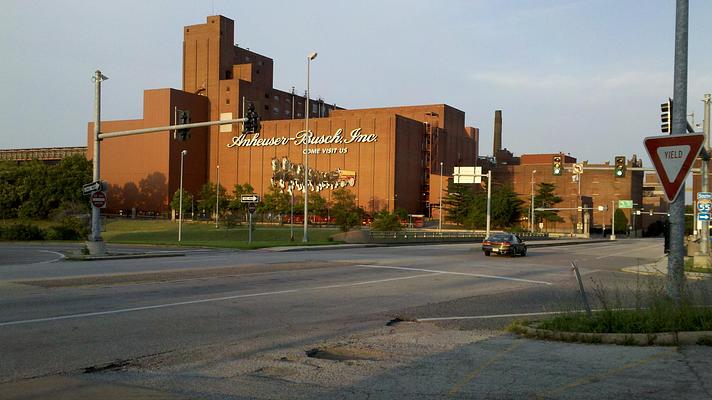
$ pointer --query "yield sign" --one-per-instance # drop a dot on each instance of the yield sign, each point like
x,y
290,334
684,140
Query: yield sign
x,y
673,156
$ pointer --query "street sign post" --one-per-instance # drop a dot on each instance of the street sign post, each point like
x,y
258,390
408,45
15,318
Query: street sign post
x,y
90,188
249,198
98,199
625,203
672,156
251,207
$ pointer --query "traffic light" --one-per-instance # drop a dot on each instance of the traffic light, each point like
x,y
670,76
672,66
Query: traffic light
x,y
666,116
619,170
557,166
252,122
183,118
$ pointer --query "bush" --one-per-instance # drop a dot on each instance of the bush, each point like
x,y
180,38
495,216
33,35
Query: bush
x,y
385,221
22,232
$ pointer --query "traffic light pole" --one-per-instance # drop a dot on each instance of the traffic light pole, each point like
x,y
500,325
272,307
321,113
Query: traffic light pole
x,y
679,126
95,244
705,234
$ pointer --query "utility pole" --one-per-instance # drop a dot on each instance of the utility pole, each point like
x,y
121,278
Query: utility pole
x,y
96,244
676,257
705,234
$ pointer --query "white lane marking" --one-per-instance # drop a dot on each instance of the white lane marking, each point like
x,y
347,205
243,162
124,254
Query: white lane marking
x,y
213,299
61,257
627,251
506,278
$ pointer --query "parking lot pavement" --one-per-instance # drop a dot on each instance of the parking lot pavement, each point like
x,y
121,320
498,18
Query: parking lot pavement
x,y
408,361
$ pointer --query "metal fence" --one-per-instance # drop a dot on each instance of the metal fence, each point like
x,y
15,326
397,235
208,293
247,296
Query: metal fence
x,y
415,236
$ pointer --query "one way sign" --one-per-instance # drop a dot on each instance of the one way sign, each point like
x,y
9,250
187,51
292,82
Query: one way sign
x,y
673,156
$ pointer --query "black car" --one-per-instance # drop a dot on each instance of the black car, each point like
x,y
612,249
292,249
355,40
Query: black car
x,y
504,243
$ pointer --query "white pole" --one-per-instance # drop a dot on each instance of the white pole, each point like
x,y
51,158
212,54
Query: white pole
x,y
613,220
489,198
531,216
440,222
180,197
217,198
305,238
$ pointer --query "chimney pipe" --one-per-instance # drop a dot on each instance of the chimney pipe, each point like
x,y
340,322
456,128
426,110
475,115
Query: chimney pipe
x,y
497,145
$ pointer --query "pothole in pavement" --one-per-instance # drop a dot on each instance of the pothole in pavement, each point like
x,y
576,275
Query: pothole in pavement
x,y
344,353
112,366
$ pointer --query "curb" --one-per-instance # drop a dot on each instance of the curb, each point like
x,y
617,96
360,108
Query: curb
x,y
627,339
124,256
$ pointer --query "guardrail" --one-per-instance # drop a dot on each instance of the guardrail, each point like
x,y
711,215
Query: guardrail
x,y
416,236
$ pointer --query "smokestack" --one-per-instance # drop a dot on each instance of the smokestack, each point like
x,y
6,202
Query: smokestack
x,y
497,145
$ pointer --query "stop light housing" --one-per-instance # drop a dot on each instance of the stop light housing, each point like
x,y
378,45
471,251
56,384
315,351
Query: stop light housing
x,y
619,168
666,116
557,166
252,121
183,118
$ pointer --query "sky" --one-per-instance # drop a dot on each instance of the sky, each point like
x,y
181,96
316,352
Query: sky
x,y
581,77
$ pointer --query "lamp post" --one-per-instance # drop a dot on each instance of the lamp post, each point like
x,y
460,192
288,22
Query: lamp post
x,y
180,197
440,222
217,198
96,243
531,214
305,238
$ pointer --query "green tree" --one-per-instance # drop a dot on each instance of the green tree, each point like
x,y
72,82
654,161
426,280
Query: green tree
x,y
236,206
275,202
386,221
546,198
621,221
208,198
401,213
505,207
458,204
187,200
345,210
318,205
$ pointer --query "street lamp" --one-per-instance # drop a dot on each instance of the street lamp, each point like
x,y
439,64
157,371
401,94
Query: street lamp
x,y
531,215
180,196
440,222
305,239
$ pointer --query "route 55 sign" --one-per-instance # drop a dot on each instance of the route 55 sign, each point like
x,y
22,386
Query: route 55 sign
x,y
704,202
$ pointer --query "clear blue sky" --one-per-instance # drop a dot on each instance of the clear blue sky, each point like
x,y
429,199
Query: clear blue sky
x,y
584,77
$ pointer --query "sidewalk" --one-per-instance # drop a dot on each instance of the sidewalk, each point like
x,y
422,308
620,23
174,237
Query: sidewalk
x,y
660,268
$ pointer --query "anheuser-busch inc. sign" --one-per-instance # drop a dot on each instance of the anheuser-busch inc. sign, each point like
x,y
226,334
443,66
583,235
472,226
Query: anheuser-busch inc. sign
x,y
302,137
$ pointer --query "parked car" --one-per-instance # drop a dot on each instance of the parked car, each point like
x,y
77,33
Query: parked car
x,y
504,243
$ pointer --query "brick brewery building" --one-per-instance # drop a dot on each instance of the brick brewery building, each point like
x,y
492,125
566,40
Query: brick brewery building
x,y
388,157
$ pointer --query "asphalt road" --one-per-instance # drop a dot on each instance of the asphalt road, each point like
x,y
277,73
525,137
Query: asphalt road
x,y
64,318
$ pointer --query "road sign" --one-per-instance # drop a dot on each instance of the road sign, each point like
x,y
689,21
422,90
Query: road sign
x,y
98,199
703,216
91,187
672,156
625,203
249,198
704,202
251,207
467,175
578,168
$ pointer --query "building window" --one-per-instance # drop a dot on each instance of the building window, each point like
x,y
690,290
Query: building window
x,y
287,113
275,110
227,101
299,115
267,95
276,98
227,88
266,107
228,74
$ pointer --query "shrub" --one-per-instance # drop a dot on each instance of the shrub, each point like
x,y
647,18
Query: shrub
x,y
23,231
385,221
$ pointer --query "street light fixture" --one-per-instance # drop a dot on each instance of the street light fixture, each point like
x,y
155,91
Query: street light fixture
x,y
305,238
440,222
180,196
531,215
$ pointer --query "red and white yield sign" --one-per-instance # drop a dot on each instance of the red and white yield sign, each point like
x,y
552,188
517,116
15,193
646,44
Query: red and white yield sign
x,y
98,199
673,156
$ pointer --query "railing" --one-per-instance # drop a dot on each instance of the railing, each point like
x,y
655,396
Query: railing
x,y
415,236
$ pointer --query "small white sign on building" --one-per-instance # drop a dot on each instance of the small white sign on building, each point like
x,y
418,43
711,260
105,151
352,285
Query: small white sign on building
x,y
227,128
